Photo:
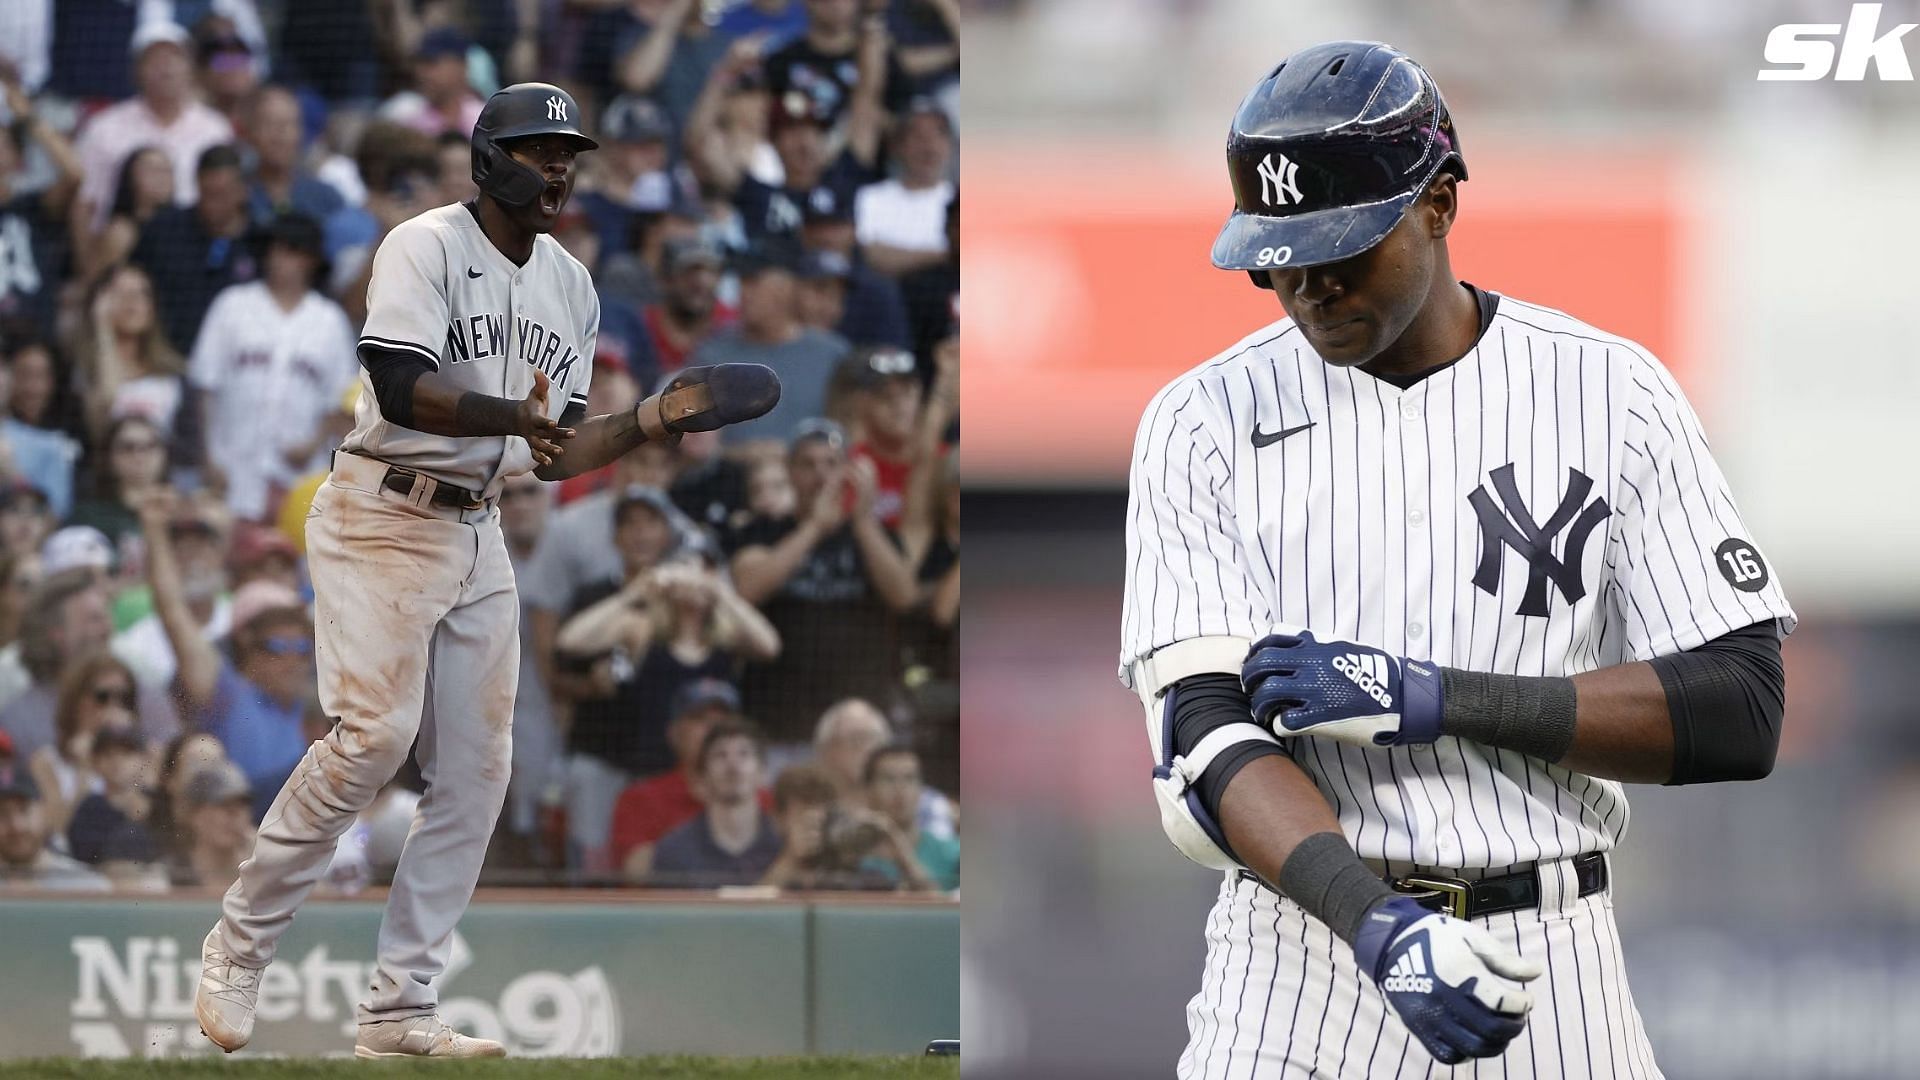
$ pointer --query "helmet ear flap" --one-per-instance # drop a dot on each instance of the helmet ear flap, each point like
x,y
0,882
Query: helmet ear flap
x,y
1260,280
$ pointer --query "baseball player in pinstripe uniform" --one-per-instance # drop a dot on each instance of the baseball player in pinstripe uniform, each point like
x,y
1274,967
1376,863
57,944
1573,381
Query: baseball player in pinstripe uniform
x,y
1417,577
476,352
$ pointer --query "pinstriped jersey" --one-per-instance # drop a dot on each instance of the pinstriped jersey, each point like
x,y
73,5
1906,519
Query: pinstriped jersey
x,y
1546,505
442,291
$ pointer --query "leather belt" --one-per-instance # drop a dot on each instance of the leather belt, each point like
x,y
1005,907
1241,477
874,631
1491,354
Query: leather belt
x,y
1463,899
444,495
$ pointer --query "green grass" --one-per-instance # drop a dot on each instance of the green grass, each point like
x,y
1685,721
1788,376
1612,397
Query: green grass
x,y
649,1068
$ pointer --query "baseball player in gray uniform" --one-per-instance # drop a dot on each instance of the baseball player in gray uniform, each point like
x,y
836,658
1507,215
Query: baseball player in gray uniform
x,y
1417,576
476,355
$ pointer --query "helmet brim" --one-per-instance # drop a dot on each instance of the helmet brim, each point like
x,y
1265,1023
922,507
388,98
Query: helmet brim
x,y
1258,242
528,130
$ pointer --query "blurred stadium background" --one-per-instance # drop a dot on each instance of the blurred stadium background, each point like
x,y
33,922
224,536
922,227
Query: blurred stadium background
x,y
190,196
1628,168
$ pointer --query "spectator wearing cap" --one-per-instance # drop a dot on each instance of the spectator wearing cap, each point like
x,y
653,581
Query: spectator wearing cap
x,y
820,290
97,694
68,619
872,311
26,863
689,310
441,99
732,840
215,818
901,221
198,532
607,743
33,222
162,113
252,695
770,332
229,72
830,579
194,252
272,359
669,624
577,550
79,548
810,173
653,806
272,126
113,818
635,173
887,398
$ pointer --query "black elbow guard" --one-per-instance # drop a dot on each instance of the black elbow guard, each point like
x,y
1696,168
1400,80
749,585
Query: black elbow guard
x,y
393,374
1726,700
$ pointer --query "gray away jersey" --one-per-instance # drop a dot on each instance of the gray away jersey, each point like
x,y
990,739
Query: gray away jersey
x,y
441,290
1546,506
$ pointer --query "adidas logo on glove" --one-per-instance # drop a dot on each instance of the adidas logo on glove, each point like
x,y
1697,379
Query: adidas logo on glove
x,y
1409,974
1369,673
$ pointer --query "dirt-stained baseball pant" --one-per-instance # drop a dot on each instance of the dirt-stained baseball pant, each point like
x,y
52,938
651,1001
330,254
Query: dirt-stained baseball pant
x,y
415,616
1281,998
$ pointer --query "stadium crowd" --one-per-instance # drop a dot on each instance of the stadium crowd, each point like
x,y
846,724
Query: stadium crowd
x,y
739,653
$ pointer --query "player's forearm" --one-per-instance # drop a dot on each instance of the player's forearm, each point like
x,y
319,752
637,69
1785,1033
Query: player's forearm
x,y
1622,730
596,442
441,408
1283,829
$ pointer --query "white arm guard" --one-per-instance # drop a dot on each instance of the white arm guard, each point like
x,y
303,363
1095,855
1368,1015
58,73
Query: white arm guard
x,y
1183,816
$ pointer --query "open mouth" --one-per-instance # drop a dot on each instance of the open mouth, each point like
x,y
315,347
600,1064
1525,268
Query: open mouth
x,y
553,196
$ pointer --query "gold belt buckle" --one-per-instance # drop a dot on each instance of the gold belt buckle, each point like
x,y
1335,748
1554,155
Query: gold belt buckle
x,y
1455,890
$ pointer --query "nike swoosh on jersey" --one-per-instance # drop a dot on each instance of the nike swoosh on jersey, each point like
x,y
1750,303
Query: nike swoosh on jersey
x,y
472,273
1262,438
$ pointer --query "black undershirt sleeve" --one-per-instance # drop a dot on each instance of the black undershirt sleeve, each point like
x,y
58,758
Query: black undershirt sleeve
x,y
1726,699
572,414
393,372
1206,702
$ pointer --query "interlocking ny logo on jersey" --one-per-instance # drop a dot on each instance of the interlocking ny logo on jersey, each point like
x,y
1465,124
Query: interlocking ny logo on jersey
x,y
1514,527
1279,180
1369,673
556,108
1409,973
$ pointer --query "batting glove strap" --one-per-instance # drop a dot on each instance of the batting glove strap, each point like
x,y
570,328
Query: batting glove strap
x,y
1460,992
1302,686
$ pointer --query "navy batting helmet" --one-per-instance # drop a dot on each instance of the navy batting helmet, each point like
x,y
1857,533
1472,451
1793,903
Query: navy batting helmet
x,y
1328,152
513,112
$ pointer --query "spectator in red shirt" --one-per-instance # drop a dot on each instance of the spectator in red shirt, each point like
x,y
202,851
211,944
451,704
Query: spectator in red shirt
x,y
690,309
653,806
887,397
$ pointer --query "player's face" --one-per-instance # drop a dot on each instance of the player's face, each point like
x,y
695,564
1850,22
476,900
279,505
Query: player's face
x,y
552,156
1352,310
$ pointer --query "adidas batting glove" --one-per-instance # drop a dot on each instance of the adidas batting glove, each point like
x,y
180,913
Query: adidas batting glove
x,y
1354,693
1458,990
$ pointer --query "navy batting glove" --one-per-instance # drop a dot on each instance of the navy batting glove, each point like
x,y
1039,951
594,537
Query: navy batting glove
x,y
1343,690
1458,990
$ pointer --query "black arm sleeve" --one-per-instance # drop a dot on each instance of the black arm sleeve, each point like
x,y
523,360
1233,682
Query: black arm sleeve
x,y
1205,702
573,414
393,373
1726,699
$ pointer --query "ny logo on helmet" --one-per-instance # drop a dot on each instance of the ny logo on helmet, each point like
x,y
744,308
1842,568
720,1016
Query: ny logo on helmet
x,y
1279,181
556,108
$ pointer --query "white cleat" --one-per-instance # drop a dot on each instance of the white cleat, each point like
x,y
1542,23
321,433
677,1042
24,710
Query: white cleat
x,y
421,1036
223,1002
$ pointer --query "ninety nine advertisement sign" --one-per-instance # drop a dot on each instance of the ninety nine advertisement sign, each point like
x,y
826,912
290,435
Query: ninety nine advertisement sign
x,y
115,978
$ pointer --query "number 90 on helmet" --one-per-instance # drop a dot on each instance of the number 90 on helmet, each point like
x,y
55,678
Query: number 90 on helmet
x,y
1327,153
514,112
